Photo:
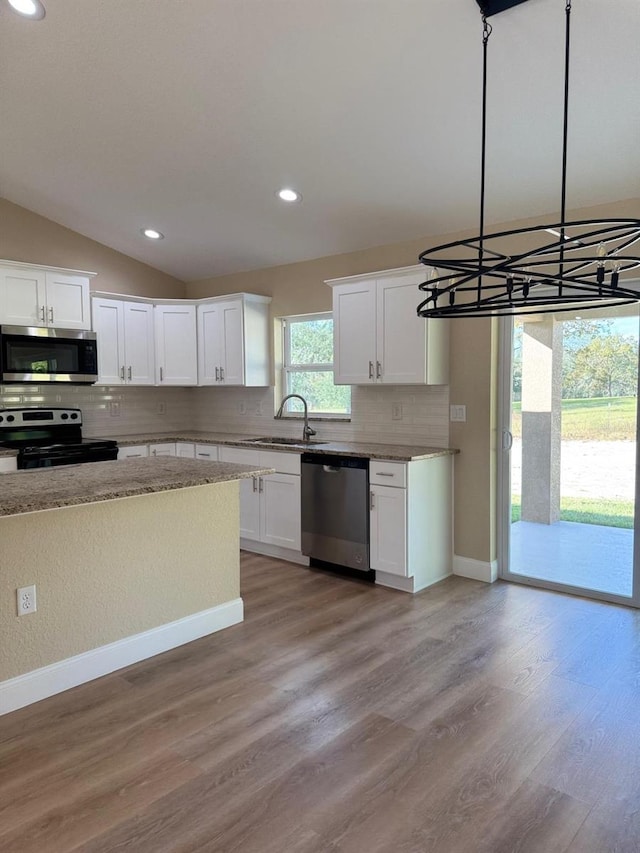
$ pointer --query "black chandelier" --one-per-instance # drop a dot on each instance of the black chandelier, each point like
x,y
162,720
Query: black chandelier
x,y
520,271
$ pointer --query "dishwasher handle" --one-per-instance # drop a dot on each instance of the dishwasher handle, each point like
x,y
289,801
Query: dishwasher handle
x,y
331,469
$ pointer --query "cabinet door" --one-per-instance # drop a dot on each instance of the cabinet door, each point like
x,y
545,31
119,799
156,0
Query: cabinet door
x,y
109,327
388,529
250,509
139,360
176,352
354,333
8,464
22,297
280,510
231,318
185,450
209,344
68,302
402,335
163,449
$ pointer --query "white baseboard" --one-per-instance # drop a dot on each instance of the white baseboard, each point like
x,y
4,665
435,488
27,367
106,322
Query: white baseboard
x,y
477,570
406,584
48,680
273,551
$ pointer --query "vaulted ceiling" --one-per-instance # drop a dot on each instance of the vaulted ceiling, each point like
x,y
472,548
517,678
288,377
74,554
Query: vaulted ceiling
x,y
189,115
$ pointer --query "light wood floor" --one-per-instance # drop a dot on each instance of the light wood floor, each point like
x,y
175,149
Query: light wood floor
x,y
347,718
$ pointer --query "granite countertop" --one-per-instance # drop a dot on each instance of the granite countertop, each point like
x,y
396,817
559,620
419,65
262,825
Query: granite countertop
x,y
70,485
365,450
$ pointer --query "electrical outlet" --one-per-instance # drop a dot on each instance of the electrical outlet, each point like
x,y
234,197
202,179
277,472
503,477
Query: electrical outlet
x,y
26,600
396,411
458,414
115,409
242,407
162,408
258,408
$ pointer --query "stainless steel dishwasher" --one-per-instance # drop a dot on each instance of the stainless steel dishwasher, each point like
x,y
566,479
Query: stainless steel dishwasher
x,y
335,509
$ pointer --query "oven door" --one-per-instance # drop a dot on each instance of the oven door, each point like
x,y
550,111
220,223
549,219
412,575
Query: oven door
x,y
50,458
31,354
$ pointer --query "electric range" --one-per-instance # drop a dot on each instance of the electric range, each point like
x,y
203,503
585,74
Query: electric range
x,y
48,437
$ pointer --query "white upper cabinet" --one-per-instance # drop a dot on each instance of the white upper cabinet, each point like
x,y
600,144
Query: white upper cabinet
x,y
125,342
176,349
36,296
378,337
233,341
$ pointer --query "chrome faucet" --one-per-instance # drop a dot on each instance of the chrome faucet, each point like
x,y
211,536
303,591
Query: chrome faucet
x,y
307,432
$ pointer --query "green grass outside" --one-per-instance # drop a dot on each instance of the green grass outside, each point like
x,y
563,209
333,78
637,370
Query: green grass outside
x,y
607,513
594,419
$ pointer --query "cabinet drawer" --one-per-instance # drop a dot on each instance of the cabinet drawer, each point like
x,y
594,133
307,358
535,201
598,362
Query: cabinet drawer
x,y
185,450
207,451
240,456
133,452
388,473
284,463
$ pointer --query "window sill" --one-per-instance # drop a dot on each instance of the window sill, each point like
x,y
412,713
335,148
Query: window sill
x,y
343,419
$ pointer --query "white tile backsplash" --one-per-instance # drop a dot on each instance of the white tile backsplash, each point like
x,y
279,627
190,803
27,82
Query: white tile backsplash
x,y
425,414
138,407
425,411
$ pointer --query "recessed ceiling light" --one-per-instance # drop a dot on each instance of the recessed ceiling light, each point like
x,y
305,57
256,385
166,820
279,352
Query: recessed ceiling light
x,y
152,234
32,9
289,195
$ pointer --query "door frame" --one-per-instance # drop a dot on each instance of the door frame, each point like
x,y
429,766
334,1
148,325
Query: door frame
x,y
503,491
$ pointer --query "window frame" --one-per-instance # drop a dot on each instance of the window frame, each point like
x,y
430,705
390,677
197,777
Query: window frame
x,y
315,367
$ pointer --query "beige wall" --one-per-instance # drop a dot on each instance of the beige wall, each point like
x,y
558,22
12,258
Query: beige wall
x,y
299,288
153,558
25,236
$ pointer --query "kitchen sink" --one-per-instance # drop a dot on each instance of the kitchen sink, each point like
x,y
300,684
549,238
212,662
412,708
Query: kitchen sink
x,y
294,442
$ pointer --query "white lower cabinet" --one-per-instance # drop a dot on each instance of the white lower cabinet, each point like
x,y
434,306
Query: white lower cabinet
x,y
185,450
206,451
388,529
269,505
166,448
411,522
8,464
138,451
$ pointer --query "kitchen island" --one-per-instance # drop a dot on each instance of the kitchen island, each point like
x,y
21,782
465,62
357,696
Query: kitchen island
x,y
128,561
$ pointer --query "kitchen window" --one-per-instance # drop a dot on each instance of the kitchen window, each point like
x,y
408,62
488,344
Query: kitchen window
x,y
308,367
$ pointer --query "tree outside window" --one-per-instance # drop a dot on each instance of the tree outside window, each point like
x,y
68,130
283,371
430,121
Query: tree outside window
x,y
308,366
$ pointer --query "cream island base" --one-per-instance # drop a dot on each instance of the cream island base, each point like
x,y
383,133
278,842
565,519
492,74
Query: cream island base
x,y
151,562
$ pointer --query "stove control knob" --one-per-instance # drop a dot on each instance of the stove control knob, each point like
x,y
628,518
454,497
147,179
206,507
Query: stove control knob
x,y
10,418
74,416
64,416
1,418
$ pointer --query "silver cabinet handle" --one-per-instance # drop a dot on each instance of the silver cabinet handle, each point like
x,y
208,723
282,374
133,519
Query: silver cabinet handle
x,y
255,485
154,452
160,374
129,372
372,504
260,485
378,370
42,317
384,474
51,315
217,374
206,455
370,370
221,374
122,373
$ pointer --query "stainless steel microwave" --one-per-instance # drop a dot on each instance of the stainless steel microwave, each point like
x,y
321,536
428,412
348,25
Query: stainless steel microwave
x,y
32,354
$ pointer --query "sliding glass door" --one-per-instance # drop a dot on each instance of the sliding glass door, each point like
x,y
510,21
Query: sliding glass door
x,y
567,465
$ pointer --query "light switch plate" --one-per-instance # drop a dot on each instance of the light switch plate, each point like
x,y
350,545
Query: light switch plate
x,y
396,411
458,414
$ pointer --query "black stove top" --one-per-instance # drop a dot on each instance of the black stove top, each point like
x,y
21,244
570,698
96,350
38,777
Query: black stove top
x,y
50,437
